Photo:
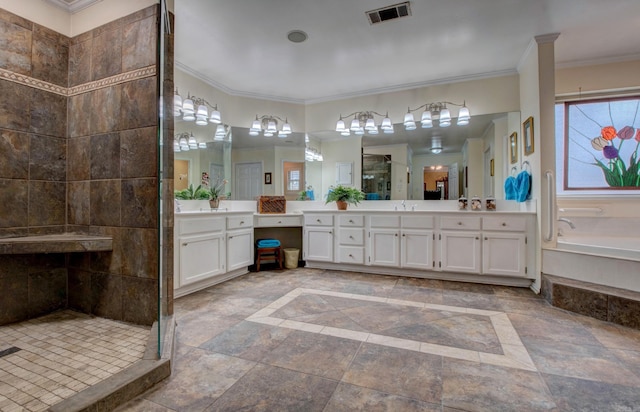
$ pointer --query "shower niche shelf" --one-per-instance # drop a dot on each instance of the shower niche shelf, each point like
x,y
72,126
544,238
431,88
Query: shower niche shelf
x,y
61,243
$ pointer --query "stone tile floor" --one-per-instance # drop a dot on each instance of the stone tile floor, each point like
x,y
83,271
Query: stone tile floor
x,y
316,340
53,357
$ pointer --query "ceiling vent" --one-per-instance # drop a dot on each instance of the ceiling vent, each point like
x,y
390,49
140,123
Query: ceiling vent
x,y
389,13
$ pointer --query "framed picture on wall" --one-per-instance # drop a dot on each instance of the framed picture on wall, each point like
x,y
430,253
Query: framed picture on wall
x,y
527,136
513,148
267,178
492,167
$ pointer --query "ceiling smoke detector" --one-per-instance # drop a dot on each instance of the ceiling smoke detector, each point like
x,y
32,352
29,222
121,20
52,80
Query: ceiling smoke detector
x,y
389,13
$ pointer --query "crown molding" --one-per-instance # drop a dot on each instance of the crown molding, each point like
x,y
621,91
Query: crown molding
x,y
343,96
72,6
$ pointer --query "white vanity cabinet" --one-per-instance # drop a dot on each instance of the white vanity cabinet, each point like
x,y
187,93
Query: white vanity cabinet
x,y
416,241
504,243
210,248
201,246
239,241
318,237
460,244
384,240
350,239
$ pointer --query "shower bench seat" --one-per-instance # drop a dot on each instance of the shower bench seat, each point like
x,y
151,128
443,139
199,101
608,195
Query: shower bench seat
x,y
60,243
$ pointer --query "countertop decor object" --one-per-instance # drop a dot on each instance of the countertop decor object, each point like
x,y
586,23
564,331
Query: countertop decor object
x,y
344,195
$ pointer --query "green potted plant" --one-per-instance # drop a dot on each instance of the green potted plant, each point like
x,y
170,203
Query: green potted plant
x,y
344,195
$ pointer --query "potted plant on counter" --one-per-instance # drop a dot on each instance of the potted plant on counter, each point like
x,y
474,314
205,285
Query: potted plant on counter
x,y
191,194
344,195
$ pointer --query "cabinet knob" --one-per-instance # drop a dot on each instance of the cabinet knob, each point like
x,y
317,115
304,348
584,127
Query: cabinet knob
x,y
279,221
396,235
185,244
318,220
504,224
403,235
350,255
477,238
330,232
350,221
350,237
460,223
242,222
230,237
486,238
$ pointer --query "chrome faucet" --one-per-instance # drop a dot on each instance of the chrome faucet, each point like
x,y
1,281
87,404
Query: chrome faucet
x,y
567,221
404,206
177,205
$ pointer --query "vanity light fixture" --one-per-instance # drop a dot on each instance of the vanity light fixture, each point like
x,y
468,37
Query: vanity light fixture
x,y
437,111
364,122
268,125
183,142
195,108
312,155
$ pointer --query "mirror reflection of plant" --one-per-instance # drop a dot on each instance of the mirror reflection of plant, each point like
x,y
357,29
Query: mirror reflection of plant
x,y
192,194
215,191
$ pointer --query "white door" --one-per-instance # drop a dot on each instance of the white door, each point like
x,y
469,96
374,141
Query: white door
x,y
453,182
488,179
248,181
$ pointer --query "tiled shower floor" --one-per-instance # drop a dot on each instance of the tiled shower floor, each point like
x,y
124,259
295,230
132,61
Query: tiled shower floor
x,y
51,358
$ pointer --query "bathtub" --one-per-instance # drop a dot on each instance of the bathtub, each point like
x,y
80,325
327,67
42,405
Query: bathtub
x,y
618,247
603,259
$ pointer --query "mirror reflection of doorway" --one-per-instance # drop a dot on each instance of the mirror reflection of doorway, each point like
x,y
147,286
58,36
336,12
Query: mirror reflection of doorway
x,y
180,174
376,176
436,182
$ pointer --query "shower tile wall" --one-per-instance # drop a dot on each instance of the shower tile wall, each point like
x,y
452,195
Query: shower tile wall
x,y
84,163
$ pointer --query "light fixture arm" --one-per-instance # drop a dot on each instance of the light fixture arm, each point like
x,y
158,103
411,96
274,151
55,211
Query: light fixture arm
x,y
436,106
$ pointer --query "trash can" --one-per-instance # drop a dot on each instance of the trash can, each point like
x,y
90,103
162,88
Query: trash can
x,y
291,256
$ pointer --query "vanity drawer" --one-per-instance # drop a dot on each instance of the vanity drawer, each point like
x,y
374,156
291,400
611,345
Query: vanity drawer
x,y
350,236
392,221
460,222
190,226
351,220
278,221
417,222
506,223
239,222
351,255
318,220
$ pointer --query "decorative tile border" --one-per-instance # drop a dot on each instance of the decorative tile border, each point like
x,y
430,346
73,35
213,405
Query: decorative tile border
x,y
83,88
515,354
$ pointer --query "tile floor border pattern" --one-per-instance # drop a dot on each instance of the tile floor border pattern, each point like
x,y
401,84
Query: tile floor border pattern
x,y
61,354
515,354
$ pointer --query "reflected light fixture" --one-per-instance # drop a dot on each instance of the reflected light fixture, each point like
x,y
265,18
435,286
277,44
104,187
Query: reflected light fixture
x,y
364,122
195,109
268,125
312,155
436,111
183,142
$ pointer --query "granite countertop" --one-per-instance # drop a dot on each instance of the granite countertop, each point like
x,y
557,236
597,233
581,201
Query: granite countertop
x,y
60,243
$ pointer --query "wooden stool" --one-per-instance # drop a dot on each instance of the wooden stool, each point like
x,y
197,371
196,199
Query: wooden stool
x,y
268,253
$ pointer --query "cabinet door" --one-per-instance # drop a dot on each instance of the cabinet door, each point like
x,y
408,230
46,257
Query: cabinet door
x,y
201,258
318,244
239,249
384,247
416,248
460,251
504,254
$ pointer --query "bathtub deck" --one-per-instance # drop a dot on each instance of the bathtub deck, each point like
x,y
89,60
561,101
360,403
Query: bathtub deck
x,y
615,305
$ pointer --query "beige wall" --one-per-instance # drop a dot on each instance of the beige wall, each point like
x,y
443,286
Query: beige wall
x,y
71,25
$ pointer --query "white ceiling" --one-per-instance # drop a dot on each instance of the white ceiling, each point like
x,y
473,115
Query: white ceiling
x,y
241,46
